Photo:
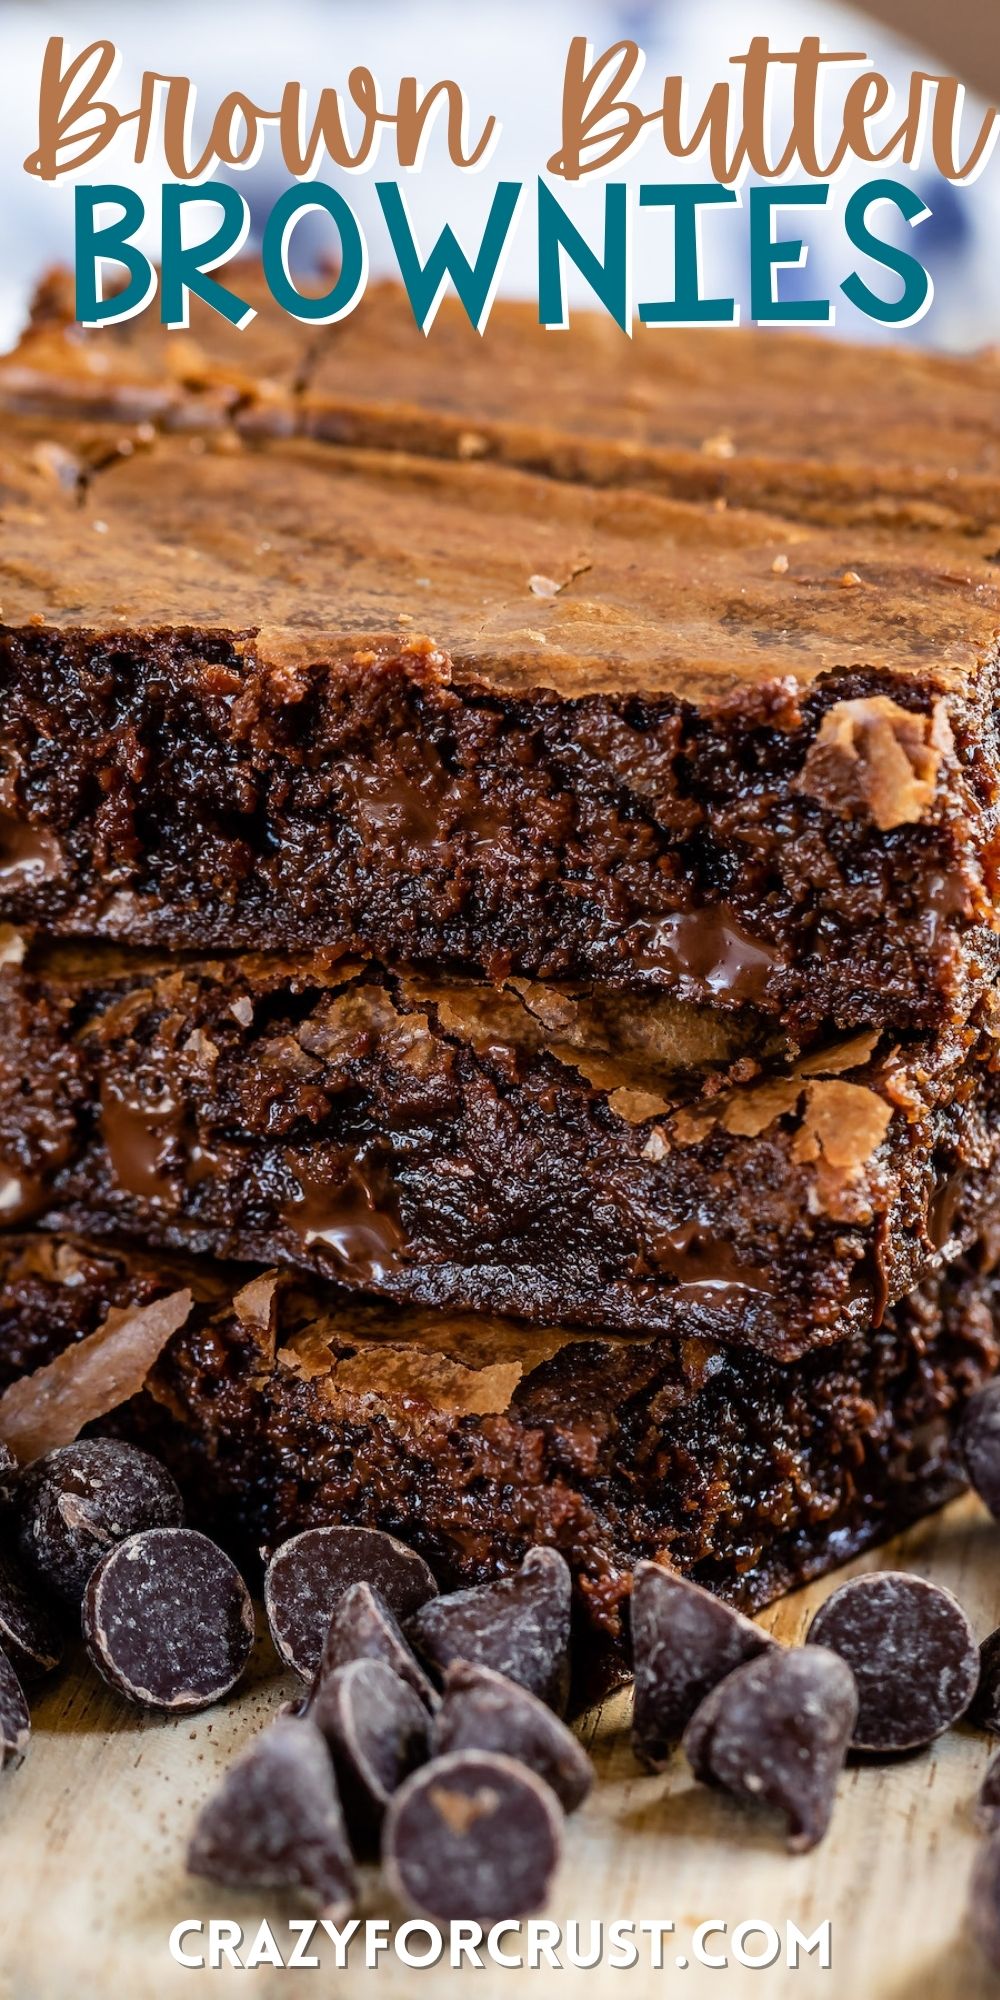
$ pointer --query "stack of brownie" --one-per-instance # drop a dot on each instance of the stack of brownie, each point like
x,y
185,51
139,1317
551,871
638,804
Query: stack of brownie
x,y
498,855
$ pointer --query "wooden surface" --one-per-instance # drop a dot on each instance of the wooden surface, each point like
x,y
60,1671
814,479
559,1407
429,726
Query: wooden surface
x,y
92,1831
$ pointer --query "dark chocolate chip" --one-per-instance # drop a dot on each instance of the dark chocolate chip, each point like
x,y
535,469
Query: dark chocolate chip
x,y
363,1628
8,1465
911,1650
276,1822
978,1440
378,1731
472,1835
684,1640
984,1708
168,1620
74,1504
483,1710
307,1575
28,1633
984,1901
777,1731
15,1722
988,1797
519,1626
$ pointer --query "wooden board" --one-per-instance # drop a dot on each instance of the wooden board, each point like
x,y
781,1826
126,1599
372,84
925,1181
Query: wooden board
x,y
92,1830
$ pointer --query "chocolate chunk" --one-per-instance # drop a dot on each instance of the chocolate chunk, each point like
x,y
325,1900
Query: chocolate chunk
x,y
378,1731
979,1444
363,1628
483,1710
168,1620
8,1465
15,1721
28,1634
472,1835
984,1708
684,1641
911,1650
519,1626
777,1731
987,1809
984,1901
307,1575
276,1822
74,1504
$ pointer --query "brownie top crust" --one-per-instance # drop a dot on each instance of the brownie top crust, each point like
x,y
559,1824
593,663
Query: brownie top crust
x,y
491,577
520,585
792,422
488,577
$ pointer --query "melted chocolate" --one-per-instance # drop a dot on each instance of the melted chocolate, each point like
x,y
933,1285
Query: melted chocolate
x,y
402,805
707,1271
708,949
944,1207
28,854
21,1196
136,1133
365,1238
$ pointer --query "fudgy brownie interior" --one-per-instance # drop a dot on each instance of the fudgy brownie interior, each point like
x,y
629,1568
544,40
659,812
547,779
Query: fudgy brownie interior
x,y
561,1156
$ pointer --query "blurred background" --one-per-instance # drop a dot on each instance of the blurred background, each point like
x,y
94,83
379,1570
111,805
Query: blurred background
x,y
509,58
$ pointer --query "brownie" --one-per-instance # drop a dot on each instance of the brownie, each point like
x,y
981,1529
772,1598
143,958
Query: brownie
x,y
287,693
281,1406
812,428
559,1155
797,424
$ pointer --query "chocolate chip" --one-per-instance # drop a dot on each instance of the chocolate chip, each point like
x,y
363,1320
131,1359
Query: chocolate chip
x,y
168,1620
363,1628
307,1575
75,1503
519,1626
684,1641
276,1822
28,1634
777,1731
378,1731
987,1810
8,1465
984,1901
483,1710
984,1708
978,1441
912,1651
472,1835
15,1722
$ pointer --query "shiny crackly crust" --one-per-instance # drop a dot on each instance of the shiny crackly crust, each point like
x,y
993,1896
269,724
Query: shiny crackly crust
x,y
821,429
559,1156
281,1407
